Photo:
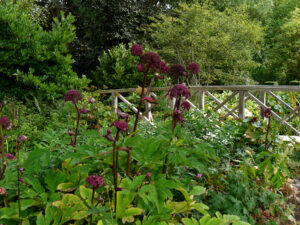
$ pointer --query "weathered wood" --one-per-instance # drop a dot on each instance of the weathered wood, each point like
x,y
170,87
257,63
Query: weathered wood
x,y
134,109
242,104
274,114
227,100
281,101
201,100
231,111
217,88
262,98
115,101
148,109
219,102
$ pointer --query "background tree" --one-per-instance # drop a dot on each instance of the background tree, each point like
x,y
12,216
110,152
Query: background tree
x,y
34,61
222,43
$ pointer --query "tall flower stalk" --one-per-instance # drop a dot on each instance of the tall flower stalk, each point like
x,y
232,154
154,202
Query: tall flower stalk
x,y
95,181
5,124
20,140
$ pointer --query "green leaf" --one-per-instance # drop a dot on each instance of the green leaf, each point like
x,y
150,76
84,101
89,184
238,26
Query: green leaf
x,y
187,221
197,190
67,187
40,219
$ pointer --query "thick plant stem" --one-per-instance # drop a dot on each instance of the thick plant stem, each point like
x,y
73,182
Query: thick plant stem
x,y
77,125
115,169
141,102
19,179
128,163
92,203
2,153
267,132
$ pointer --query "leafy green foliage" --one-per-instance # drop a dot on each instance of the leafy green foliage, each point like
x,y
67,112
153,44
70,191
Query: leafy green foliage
x,y
34,59
222,43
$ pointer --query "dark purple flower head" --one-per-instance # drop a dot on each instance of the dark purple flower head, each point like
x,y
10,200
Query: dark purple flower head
x,y
186,105
136,50
4,122
120,125
22,138
109,131
84,111
122,115
267,112
179,90
2,191
70,132
21,169
73,96
164,67
92,101
10,156
151,60
160,77
140,68
148,175
149,99
95,180
194,68
176,71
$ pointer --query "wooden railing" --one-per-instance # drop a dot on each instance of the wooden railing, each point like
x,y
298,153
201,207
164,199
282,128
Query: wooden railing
x,y
256,93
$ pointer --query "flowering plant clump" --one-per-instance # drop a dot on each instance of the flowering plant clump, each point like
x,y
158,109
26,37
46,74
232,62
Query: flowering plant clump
x,y
95,181
177,71
186,105
194,68
120,125
136,50
10,156
73,96
151,60
179,90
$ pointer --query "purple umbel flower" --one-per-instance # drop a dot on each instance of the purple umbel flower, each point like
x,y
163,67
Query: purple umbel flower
x,y
22,138
151,60
194,68
21,169
84,111
10,156
2,191
176,71
73,96
120,125
122,115
95,180
199,175
179,90
92,101
140,68
267,112
4,122
70,132
186,105
148,175
136,50
164,67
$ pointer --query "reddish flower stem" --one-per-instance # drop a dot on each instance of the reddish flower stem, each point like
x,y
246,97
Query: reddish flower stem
x,y
141,101
2,153
92,203
115,169
77,125
267,132
19,178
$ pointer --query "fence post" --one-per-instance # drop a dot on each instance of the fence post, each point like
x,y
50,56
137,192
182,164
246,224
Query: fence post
x,y
262,98
148,106
115,102
201,100
241,104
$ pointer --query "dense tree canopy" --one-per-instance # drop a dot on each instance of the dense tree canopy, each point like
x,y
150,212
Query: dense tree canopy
x,y
222,43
